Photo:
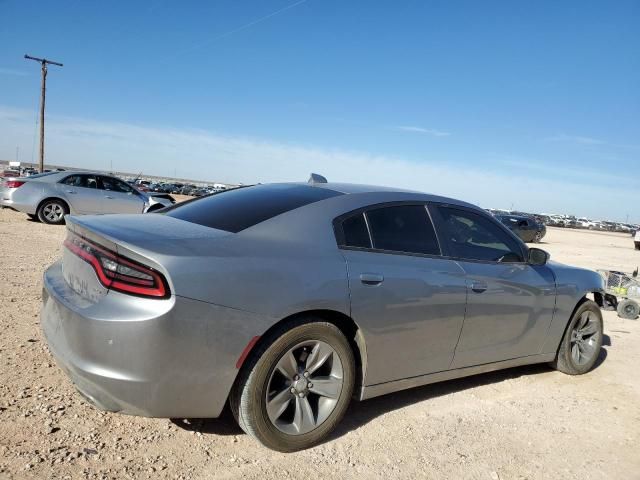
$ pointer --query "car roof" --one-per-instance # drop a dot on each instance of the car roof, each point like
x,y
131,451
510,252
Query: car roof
x,y
356,189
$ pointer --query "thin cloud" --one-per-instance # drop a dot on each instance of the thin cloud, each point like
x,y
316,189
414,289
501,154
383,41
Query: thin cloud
x,y
11,71
426,131
211,156
580,140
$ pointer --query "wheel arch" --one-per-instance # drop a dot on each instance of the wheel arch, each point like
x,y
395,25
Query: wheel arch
x,y
596,295
345,323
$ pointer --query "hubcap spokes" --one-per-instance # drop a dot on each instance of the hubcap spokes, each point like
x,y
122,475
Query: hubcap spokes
x,y
584,339
53,212
304,387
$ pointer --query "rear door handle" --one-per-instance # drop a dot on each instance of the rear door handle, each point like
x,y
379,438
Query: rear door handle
x,y
71,191
479,287
107,196
371,278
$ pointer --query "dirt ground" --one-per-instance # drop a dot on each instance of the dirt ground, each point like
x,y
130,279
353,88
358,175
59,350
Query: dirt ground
x,y
523,423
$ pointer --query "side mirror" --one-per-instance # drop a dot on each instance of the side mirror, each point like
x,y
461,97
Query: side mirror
x,y
537,257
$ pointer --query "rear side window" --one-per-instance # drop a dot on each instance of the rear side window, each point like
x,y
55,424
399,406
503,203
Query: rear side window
x,y
74,181
86,181
235,210
403,228
356,233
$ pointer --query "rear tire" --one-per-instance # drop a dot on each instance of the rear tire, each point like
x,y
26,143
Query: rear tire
x,y
274,399
628,309
52,211
582,340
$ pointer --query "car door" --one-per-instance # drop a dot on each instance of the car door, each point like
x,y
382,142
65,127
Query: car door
x,y
509,303
408,301
81,191
120,197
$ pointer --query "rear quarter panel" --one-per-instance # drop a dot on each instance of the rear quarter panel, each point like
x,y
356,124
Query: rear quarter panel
x,y
27,197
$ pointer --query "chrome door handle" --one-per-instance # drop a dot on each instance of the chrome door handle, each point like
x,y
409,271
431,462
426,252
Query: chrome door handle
x,y
371,278
71,191
479,287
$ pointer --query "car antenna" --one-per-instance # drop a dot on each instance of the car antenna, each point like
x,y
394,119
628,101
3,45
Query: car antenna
x,y
315,178
138,177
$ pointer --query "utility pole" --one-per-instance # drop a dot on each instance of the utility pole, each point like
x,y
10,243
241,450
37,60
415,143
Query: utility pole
x,y
44,62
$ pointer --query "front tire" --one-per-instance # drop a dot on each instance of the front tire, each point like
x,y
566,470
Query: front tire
x,y
52,211
582,340
296,387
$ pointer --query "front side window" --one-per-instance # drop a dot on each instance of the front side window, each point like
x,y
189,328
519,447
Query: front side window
x,y
403,228
472,236
115,185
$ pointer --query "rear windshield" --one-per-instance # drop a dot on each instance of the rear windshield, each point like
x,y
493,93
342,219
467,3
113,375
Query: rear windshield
x,y
235,210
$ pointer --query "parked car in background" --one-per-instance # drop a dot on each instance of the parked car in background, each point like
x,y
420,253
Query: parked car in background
x,y
584,222
10,173
50,196
187,189
284,301
526,228
543,219
199,192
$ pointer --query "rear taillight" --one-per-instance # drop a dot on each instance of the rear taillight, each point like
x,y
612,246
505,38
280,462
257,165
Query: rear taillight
x,y
116,272
13,183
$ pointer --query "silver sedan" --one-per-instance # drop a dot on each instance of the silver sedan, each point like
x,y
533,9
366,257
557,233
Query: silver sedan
x,y
287,300
50,196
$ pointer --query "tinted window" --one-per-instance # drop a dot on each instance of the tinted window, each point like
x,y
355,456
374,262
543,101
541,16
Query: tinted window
x,y
403,228
74,180
235,210
475,237
86,181
355,232
115,185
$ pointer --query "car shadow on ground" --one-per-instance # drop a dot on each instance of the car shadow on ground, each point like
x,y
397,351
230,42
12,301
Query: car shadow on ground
x,y
361,413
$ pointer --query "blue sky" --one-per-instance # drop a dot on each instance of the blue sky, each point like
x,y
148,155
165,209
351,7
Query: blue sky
x,y
530,104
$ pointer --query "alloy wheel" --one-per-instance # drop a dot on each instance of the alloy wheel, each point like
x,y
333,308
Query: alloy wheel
x,y
304,387
585,338
53,212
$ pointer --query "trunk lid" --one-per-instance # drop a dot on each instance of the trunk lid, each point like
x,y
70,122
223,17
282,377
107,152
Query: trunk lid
x,y
152,240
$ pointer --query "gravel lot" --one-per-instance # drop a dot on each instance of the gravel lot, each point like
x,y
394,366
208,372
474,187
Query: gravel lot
x,y
523,423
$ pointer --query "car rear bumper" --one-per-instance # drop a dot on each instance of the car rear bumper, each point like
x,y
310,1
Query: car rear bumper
x,y
148,357
7,201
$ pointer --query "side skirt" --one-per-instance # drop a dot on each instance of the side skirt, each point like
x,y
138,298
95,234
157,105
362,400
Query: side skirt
x,y
389,387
